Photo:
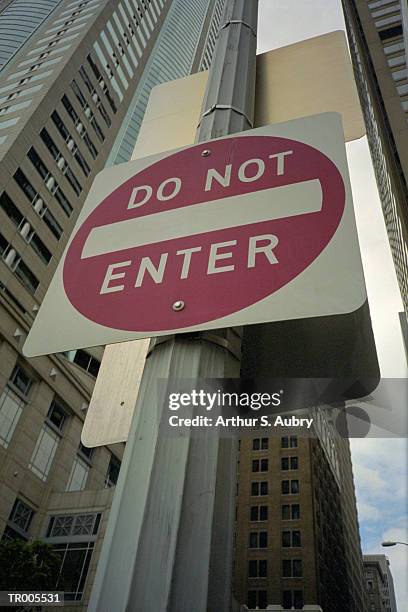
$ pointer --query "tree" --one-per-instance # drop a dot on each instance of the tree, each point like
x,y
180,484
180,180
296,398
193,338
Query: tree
x,y
28,566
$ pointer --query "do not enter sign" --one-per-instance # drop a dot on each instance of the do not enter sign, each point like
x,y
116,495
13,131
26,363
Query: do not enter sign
x,y
251,228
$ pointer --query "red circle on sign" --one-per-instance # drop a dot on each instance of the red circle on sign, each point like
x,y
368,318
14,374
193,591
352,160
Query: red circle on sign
x,y
207,297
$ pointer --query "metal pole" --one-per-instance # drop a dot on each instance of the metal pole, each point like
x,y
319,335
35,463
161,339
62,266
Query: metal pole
x,y
168,543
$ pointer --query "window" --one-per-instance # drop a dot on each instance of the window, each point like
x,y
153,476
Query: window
x,y
11,210
390,32
22,224
84,360
259,513
257,599
10,296
78,476
25,185
75,559
402,89
290,487
9,123
61,162
378,3
394,48
291,539
71,144
291,568
38,203
21,516
260,444
95,98
289,442
388,20
11,407
112,474
257,568
86,451
21,380
398,75
386,11
24,274
44,451
57,415
49,181
260,465
399,60
13,108
67,525
258,539
292,599
289,463
79,126
10,534
87,110
39,247
290,512
259,488
102,83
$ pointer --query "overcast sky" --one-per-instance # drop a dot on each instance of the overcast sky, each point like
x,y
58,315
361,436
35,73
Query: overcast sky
x,y
379,465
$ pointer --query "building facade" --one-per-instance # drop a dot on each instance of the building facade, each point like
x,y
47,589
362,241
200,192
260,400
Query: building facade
x,y
76,73
297,537
379,584
378,37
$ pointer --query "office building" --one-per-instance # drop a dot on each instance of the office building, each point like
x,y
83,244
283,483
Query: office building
x,y
76,72
377,32
379,584
297,538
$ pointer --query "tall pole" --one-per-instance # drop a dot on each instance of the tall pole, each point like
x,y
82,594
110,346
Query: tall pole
x,y
168,543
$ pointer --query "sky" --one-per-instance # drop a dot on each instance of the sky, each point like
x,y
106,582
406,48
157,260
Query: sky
x,y
379,465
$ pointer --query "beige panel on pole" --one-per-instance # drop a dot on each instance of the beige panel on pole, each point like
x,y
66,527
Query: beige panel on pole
x,y
307,78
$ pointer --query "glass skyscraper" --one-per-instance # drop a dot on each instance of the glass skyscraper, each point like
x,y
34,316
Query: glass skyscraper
x,y
18,20
169,61
377,32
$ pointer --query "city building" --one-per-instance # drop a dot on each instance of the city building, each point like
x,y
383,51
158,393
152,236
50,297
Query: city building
x,y
297,539
377,32
379,584
74,83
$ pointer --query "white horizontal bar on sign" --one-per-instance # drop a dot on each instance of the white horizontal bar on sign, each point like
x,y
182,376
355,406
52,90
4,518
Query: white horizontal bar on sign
x,y
275,203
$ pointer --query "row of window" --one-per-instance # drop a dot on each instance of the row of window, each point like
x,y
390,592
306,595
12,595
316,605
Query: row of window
x,y
12,404
11,407
289,512
290,599
24,227
290,539
61,161
288,487
212,36
84,360
16,264
263,443
129,30
79,126
87,110
71,144
38,203
287,463
291,568
49,180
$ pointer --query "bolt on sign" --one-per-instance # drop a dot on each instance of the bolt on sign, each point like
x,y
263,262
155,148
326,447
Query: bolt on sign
x,y
251,228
